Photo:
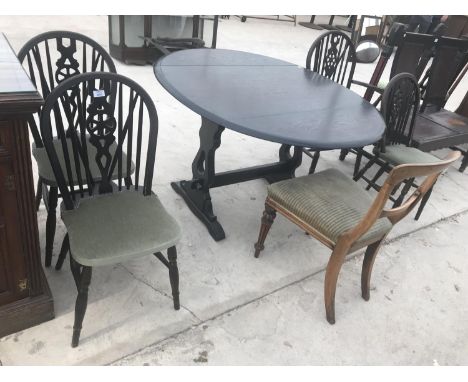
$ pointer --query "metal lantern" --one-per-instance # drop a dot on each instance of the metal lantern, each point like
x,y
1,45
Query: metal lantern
x,y
136,39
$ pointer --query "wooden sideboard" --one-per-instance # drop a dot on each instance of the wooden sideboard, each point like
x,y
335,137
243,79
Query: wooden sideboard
x,y
25,298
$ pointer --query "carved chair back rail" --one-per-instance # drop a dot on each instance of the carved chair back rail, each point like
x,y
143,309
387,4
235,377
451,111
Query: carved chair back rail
x,y
52,57
400,104
101,112
333,55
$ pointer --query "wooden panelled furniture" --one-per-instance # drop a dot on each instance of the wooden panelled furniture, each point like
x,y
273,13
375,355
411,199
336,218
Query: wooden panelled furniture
x,y
25,298
435,127
457,26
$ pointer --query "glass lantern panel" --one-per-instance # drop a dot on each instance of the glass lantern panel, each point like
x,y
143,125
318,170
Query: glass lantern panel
x,y
206,29
134,31
165,26
115,30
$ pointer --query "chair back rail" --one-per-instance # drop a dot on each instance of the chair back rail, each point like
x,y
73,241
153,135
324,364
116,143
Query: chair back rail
x,y
400,104
333,55
457,80
395,178
413,53
52,57
109,119
451,55
462,109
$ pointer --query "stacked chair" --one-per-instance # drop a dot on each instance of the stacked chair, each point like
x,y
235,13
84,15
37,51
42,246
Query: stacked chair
x,y
96,145
431,127
49,59
438,63
400,103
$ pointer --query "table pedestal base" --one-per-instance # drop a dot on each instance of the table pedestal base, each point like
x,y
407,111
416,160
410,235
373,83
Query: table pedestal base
x,y
196,192
199,203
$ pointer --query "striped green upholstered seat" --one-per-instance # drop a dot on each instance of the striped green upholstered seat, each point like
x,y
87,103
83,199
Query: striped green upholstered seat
x,y
112,228
47,174
330,202
401,154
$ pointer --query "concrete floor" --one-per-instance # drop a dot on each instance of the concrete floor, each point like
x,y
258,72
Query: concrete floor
x,y
416,315
240,310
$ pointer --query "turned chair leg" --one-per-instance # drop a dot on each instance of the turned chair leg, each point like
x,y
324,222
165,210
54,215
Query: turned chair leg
x,y
38,193
174,276
51,224
268,218
315,159
331,278
82,280
63,252
367,264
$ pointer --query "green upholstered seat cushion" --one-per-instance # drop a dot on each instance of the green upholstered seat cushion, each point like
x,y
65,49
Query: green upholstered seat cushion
x,y
401,154
112,228
47,174
330,202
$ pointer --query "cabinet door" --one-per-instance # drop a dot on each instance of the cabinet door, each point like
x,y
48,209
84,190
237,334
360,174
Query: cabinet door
x,y
13,279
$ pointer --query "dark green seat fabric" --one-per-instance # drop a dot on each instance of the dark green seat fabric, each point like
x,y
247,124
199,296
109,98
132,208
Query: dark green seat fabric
x,y
401,154
112,228
47,174
330,202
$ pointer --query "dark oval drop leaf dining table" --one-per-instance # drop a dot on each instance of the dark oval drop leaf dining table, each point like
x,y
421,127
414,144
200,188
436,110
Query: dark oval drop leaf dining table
x,y
265,98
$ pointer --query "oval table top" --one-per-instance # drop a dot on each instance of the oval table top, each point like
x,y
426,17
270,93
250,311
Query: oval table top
x,y
269,99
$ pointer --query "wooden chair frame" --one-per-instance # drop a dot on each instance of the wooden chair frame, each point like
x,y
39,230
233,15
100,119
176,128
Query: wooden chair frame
x,y
346,242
